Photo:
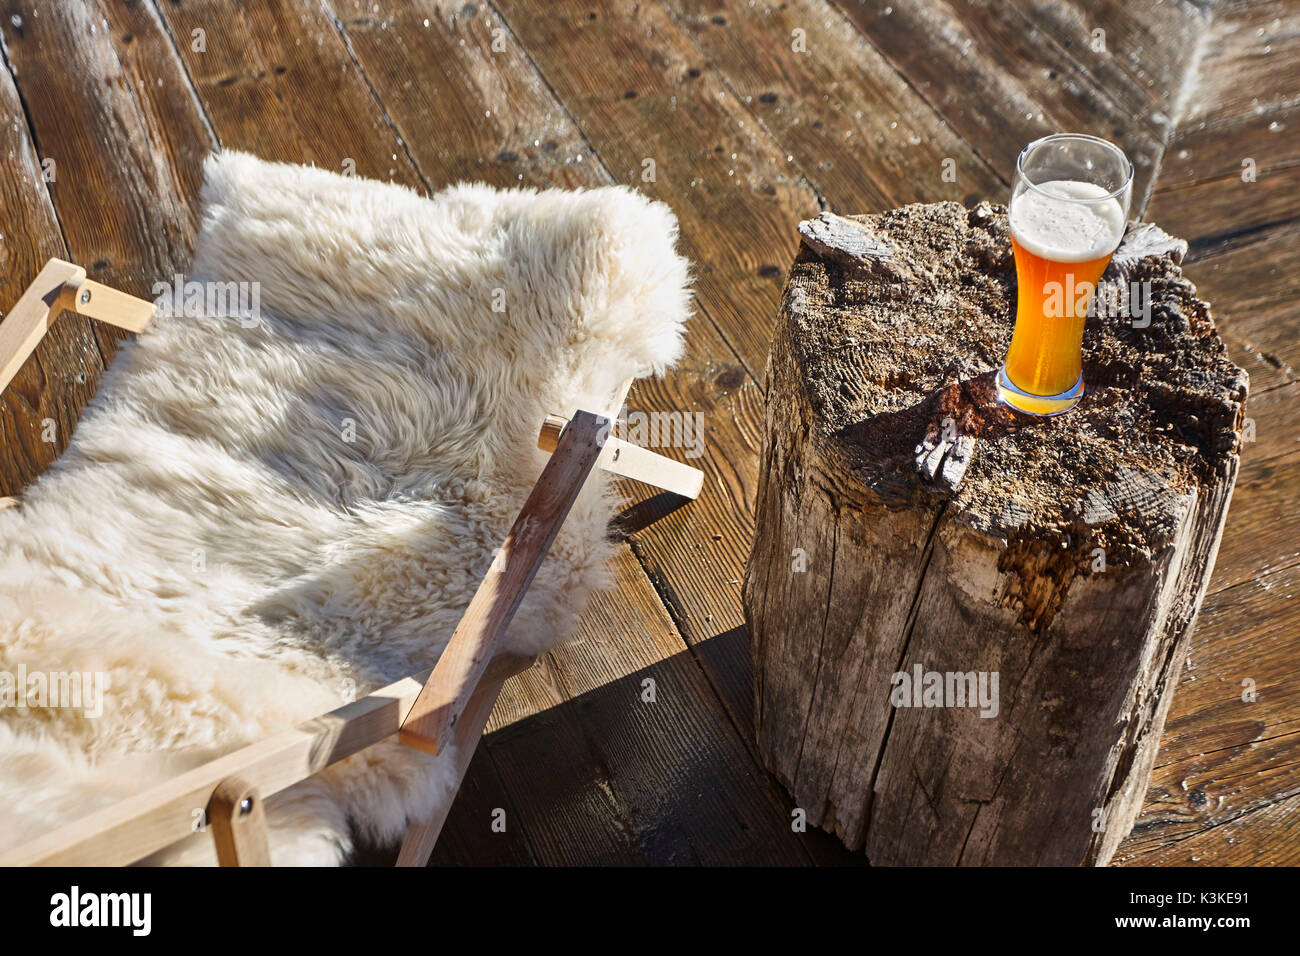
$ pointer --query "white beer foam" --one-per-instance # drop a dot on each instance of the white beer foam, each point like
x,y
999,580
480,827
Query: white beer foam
x,y
1049,221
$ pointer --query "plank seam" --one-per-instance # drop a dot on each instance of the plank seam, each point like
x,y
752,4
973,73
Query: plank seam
x,y
185,72
838,9
609,175
341,30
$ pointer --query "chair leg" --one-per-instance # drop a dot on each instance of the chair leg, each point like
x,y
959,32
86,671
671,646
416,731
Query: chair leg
x,y
238,822
423,834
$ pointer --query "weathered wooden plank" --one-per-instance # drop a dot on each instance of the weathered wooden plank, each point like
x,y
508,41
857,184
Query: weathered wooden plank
x,y
1264,530
1224,757
1269,836
1264,342
1247,631
663,122
571,816
1218,215
1275,414
463,96
469,838
854,127
1243,102
696,555
1256,224
1259,275
1001,81
1217,149
681,790
109,103
54,384
119,137
1140,53
276,79
1247,60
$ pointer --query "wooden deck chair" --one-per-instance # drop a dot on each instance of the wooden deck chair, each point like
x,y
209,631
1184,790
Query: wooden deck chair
x,y
426,711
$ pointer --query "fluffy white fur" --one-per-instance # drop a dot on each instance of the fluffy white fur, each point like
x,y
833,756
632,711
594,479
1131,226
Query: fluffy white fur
x,y
212,543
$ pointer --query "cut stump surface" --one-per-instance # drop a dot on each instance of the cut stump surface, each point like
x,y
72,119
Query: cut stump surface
x,y
907,520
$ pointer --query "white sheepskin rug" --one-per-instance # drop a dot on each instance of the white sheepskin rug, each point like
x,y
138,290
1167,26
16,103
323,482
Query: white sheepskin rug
x,y
257,521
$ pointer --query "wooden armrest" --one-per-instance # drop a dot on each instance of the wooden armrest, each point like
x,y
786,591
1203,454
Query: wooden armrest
x,y
447,693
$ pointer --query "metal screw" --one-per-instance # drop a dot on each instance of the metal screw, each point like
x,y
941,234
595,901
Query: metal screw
x,y
85,296
245,806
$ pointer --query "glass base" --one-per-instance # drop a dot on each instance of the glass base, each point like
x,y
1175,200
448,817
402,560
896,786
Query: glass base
x,y
1043,406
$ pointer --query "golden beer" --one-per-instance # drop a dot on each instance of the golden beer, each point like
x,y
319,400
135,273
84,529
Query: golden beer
x,y
1067,214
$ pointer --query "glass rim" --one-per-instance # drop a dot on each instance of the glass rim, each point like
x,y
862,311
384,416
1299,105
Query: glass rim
x,y
1085,137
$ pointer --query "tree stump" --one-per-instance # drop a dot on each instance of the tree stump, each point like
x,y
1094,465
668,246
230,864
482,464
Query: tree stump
x,y
909,525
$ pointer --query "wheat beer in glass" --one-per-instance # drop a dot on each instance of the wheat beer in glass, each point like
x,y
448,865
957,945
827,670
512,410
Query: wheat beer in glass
x,y
1068,210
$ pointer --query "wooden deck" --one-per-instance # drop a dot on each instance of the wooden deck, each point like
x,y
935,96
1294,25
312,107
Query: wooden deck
x,y
756,116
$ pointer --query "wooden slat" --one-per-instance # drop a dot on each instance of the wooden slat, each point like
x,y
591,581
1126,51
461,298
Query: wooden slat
x,y
1259,275
1225,763
864,138
1214,150
1263,342
1263,530
468,837
1269,836
1223,757
670,781
423,834
1149,48
464,109
1001,80
1219,215
276,79
632,462
1244,102
1244,60
106,304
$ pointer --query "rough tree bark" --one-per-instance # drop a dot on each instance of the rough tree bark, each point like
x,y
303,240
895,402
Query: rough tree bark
x,y
905,518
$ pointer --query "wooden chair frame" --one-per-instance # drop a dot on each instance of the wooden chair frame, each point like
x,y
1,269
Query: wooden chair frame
x,y
451,703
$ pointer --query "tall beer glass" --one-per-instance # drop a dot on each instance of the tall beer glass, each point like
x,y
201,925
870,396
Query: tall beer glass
x,y
1068,209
